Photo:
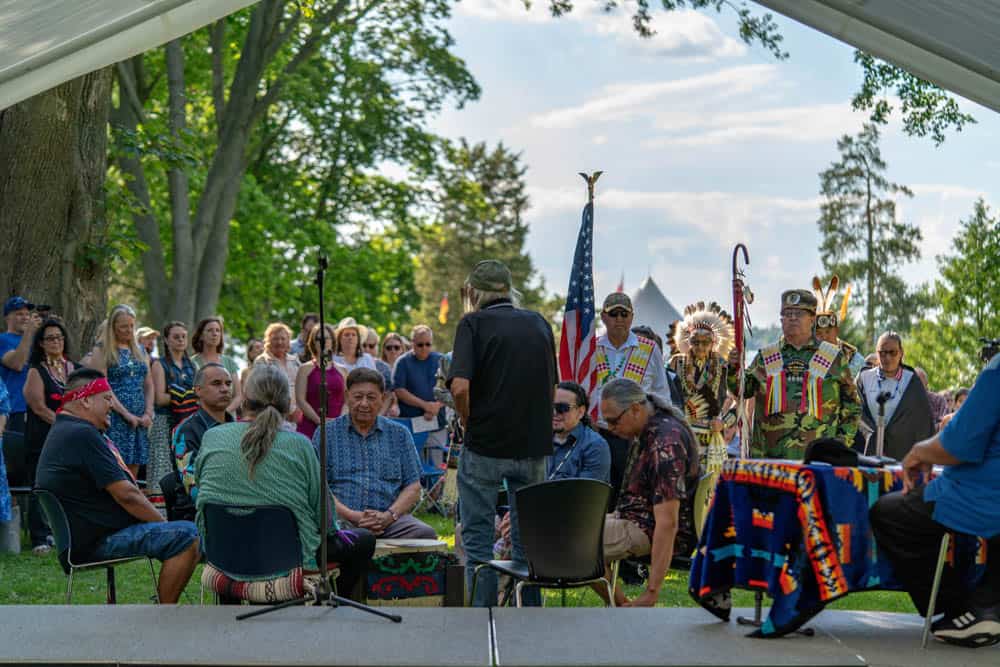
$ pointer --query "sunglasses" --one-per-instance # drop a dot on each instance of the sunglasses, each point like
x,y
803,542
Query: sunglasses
x,y
619,313
793,314
562,408
422,344
370,345
393,348
613,421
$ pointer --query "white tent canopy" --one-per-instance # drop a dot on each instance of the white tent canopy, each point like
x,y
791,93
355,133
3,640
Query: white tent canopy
x,y
953,43
44,43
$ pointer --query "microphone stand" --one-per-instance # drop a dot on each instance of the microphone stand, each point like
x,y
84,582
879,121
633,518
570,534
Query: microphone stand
x,y
323,594
880,424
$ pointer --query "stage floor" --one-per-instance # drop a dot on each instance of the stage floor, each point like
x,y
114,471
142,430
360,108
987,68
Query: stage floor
x,y
191,635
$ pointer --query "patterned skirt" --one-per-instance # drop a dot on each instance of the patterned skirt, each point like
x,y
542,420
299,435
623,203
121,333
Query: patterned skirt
x,y
132,443
5,501
161,459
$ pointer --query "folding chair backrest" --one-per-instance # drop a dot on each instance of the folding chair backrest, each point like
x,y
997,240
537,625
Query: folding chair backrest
x,y
58,523
419,439
251,541
15,455
561,525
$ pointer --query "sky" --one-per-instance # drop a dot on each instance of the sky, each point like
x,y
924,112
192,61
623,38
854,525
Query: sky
x,y
703,140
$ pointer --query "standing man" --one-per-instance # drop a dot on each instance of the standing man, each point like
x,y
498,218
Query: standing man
x,y
828,329
803,388
413,378
502,378
15,349
298,346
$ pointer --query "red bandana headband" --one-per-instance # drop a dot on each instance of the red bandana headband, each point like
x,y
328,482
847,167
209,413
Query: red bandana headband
x,y
92,388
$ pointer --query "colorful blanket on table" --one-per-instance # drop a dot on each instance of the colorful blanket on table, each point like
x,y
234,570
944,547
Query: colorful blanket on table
x,y
408,575
800,534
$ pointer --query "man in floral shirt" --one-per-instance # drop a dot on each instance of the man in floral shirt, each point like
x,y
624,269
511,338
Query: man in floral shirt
x,y
654,515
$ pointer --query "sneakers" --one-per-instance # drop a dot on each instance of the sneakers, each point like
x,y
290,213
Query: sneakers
x,y
41,550
974,628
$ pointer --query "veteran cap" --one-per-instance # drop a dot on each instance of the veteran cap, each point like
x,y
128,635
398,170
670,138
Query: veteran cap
x,y
490,275
617,300
801,299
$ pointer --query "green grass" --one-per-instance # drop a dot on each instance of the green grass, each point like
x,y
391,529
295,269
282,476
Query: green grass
x,y
30,579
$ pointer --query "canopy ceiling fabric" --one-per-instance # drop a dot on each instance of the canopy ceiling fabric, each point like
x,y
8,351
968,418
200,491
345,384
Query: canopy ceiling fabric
x,y
953,43
44,43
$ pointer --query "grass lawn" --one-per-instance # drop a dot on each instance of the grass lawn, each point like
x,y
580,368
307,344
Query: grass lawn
x,y
30,579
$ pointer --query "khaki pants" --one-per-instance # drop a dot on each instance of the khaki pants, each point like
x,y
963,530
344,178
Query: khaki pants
x,y
623,539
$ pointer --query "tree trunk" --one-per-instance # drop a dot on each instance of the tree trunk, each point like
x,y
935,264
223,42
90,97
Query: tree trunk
x,y
53,162
870,305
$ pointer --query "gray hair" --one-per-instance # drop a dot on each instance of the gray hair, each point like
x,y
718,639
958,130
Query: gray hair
x,y
476,299
269,398
199,377
625,393
892,335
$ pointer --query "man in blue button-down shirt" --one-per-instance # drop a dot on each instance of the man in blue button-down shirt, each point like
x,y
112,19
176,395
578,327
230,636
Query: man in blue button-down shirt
x,y
372,466
577,449
908,525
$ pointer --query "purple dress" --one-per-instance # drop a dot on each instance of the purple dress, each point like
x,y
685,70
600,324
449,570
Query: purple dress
x,y
334,397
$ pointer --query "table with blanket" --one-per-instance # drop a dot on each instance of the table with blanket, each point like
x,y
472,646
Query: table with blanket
x,y
800,533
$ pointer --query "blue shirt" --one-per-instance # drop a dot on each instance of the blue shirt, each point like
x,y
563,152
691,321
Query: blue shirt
x,y
13,379
4,400
584,454
368,472
418,378
967,496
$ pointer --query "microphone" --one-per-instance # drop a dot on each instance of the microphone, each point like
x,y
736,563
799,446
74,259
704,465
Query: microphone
x,y
883,398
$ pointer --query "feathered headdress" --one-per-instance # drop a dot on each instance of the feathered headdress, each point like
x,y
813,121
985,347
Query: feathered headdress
x,y
711,319
825,298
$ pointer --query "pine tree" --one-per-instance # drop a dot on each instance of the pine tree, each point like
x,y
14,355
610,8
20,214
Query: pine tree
x,y
863,242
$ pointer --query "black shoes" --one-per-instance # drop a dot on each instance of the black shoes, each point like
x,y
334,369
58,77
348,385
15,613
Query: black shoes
x,y
974,628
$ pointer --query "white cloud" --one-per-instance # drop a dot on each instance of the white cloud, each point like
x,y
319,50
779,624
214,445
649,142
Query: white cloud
x,y
623,102
681,34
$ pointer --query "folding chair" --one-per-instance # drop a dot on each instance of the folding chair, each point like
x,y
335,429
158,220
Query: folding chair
x,y
253,554
59,524
561,525
431,476
935,586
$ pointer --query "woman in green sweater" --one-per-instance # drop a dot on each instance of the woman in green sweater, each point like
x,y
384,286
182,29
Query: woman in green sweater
x,y
258,462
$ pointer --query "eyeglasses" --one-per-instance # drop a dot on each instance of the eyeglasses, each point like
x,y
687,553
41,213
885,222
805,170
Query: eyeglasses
x,y
619,313
423,344
613,421
393,348
562,408
793,314
53,339
888,353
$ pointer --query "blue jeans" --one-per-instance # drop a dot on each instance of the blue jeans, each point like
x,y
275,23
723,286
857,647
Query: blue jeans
x,y
479,481
161,541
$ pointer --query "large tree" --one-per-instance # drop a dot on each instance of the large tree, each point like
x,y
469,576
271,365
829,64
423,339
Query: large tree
x,y
53,159
969,297
262,136
480,204
862,241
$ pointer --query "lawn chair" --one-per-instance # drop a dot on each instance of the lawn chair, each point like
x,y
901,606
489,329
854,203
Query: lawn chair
x,y
59,524
561,526
432,476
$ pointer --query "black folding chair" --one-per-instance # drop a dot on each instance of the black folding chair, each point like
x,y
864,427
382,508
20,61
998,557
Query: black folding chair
x,y
561,526
59,524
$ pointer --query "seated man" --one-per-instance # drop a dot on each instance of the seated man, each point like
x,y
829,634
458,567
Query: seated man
x,y
109,516
213,385
654,514
577,449
909,525
372,466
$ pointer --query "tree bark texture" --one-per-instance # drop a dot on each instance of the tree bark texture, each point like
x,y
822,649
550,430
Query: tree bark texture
x,y
53,162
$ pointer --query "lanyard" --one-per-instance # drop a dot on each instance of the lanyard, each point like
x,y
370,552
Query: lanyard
x,y
880,376
565,458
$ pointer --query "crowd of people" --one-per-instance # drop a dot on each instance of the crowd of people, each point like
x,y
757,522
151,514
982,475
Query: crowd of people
x,y
653,422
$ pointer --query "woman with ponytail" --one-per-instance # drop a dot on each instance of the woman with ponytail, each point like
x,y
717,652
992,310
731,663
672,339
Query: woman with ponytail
x,y
260,461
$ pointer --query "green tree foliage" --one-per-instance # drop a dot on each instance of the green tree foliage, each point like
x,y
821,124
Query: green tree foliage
x,y
862,241
249,144
480,202
969,296
926,108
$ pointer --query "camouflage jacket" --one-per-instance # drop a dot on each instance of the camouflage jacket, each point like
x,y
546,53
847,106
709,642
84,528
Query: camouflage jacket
x,y
785,435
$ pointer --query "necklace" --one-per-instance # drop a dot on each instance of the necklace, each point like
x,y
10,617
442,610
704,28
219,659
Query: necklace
x,y
56,370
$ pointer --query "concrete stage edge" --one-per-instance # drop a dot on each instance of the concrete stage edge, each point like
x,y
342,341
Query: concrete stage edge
x,y
190,635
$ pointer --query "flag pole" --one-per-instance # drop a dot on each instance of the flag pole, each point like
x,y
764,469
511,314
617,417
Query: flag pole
x,y
591,182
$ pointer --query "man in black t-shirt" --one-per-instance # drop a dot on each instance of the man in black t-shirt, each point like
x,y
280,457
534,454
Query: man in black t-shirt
x,y
503,378
109,516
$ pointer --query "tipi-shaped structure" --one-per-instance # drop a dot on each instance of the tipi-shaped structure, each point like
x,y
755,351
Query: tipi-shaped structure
x,y
652,308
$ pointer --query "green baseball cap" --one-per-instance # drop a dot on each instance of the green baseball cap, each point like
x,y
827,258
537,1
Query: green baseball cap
x,y
801,299
490,275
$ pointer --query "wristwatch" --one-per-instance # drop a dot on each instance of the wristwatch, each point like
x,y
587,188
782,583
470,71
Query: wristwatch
x,y
395,517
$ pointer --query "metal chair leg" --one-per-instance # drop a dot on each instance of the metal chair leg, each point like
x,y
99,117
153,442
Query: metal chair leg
x,y
611,593
69,587
517,593
475,580
112,593
938,571
156,583
614,577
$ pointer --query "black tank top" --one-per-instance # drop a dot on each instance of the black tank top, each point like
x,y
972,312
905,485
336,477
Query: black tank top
x,y
35,428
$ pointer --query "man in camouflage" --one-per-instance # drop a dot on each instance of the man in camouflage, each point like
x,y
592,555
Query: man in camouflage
x,y
803,388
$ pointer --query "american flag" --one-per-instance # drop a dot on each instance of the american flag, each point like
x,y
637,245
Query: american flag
x,y
578,342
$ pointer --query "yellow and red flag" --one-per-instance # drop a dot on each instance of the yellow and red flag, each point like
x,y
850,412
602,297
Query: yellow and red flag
x,y
443,312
